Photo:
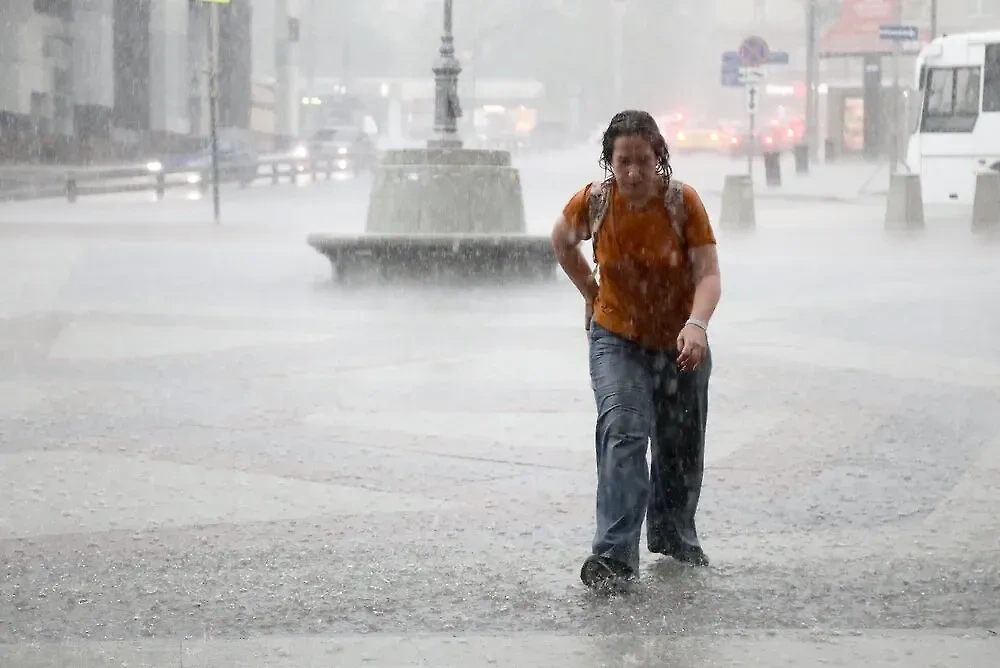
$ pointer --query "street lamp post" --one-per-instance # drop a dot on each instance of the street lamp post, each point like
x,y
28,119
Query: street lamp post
x,y
812,80
447,108
619,54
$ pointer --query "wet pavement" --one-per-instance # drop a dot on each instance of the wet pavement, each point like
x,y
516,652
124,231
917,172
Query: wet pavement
x,y
210,455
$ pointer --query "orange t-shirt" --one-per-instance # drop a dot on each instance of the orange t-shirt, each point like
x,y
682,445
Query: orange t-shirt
x,y
646,292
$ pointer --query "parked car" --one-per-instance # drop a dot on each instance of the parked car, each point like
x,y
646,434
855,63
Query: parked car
x,y
350,148
238,158
772,138
700,137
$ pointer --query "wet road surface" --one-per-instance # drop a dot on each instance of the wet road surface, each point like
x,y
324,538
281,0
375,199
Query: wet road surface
x,y
210,455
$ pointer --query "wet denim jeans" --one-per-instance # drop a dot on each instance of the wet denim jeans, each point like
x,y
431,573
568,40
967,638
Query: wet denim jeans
x,y
643,397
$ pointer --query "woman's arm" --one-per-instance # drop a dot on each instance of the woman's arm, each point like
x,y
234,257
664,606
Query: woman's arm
x,y
566,244
707,281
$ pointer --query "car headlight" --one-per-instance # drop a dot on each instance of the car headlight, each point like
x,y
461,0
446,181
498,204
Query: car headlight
x,y
301,152
194,179
154,166
342,150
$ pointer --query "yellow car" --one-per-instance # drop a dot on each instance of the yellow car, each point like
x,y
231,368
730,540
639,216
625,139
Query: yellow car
x,y
699,140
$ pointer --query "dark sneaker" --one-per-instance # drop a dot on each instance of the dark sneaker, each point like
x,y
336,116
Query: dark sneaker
x,y
606,575
688,554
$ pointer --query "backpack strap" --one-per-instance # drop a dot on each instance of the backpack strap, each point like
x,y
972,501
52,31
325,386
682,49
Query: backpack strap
x,y
598,200
673,200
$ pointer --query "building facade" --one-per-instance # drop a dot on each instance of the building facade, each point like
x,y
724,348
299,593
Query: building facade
x,y
97,78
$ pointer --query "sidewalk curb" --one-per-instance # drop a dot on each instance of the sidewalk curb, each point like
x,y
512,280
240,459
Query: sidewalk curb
x,y
806,197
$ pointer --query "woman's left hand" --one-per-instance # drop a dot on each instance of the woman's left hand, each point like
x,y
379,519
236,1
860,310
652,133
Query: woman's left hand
x,y
692,344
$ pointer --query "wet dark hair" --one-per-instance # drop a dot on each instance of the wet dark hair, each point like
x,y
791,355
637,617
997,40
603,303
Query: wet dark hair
x,y
635,123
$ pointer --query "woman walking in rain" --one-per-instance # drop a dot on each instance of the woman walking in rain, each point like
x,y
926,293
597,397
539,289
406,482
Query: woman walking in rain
x,y
647,309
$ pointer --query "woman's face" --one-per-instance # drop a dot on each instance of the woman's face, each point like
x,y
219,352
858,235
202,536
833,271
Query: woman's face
x,y
634,165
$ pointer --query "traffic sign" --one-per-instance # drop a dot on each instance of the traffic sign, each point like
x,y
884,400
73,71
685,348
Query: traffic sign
x,y
733,72
731,79
754,51
753,98
898,33
730,72
779,58
752,74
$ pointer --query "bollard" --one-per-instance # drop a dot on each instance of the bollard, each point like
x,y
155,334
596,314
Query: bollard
x,y
986,205
905,204
801,152
161,185
772,169
829,151
293,174
275,173
738,209
71,189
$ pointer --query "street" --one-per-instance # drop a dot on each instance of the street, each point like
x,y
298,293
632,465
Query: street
x,y
211,455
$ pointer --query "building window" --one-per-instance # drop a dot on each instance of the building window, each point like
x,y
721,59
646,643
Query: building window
x,y
951,99
991,83
983,7
60,8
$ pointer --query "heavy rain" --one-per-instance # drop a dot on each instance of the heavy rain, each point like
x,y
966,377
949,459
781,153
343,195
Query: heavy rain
x,y
295,369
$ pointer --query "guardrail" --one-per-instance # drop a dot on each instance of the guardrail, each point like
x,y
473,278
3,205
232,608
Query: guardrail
x,y
75,183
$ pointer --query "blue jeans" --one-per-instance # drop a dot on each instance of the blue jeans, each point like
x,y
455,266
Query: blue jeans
x,y
643,397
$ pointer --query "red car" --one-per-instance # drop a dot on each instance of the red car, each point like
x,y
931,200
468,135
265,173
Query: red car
x,y
772,138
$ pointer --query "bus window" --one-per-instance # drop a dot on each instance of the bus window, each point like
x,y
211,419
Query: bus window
x,y
967,91
991,85
951,101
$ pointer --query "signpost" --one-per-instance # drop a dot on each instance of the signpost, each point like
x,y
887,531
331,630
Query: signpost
x,y
213,98
897,34
744,68
754,52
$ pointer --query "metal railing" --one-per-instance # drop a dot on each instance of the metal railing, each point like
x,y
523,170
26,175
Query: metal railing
x,y
74,183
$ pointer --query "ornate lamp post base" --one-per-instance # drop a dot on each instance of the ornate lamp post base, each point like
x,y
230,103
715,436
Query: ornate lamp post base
x,y
444,209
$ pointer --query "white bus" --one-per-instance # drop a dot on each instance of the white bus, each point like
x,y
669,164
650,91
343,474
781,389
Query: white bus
x,y
958,130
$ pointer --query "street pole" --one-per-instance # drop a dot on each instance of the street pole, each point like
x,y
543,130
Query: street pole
x,y
447,108
213,103
934,18
619,54
812,84
311,121
894,134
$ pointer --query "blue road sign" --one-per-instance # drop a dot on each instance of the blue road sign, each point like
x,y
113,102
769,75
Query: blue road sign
x,y
899,33
731,79
778,58
754,51
730,73
732,64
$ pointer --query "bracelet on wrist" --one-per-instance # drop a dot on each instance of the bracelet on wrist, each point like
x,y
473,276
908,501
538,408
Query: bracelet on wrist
x,y
700,324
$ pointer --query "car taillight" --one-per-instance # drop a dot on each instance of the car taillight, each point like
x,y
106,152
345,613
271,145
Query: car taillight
x,y
768,140
735,140
791,134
